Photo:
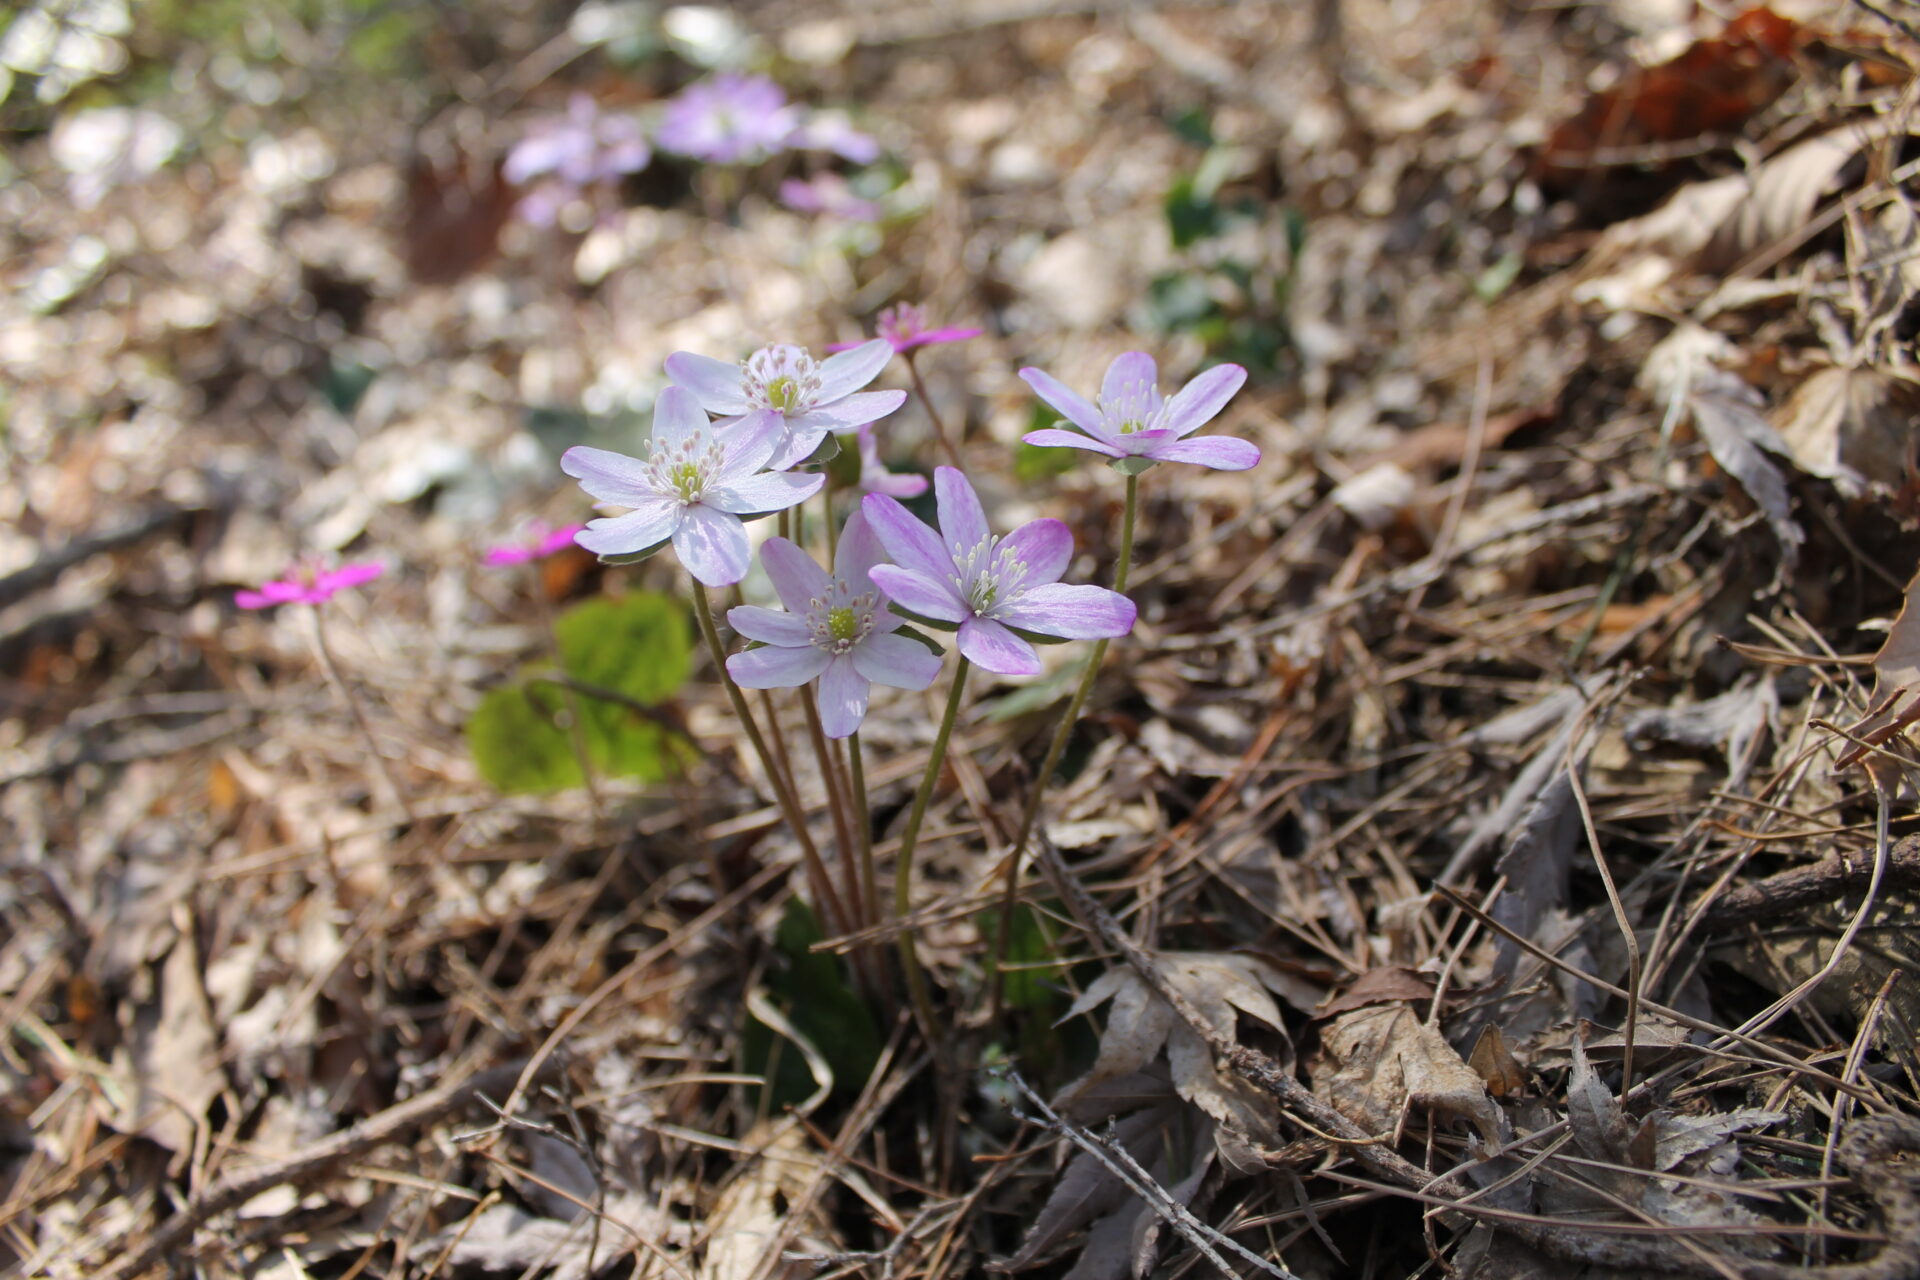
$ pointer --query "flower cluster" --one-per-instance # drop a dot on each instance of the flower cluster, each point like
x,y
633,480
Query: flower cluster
x,y
728,119
572,154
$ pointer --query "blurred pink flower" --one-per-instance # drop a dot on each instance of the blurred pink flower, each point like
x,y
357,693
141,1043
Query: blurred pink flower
x,y
307,583
905,327
541,540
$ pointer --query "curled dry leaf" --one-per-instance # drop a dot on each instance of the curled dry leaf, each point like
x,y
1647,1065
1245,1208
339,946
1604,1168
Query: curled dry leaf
x,y
1787,188
1219,986
1854,427
1728,413
1376,1059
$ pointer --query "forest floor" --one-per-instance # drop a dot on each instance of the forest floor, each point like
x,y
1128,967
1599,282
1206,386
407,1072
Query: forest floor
x,y
1491,854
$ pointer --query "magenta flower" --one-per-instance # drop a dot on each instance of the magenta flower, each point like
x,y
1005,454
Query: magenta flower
x,y
988,587
308,583
691,489
729,119
785,386
875,478
540,541
837,630
1132,421
904,328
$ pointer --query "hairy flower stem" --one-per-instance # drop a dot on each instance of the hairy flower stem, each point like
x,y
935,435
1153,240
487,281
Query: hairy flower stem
x,y
383,773
863,815
789,803
576,723
903,862
837,809
926,401
1009,898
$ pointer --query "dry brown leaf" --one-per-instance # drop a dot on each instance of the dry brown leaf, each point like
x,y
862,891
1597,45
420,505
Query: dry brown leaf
x,y
1495,1064
749,1216
1786,190
1384,1055
1854,427
1377,986
173,1056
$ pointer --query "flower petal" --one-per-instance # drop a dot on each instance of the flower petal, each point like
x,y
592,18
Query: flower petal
x,y
1070,403
713,546
1045,546
843,374
896,661
916,593
609,476
254,600
1222,453
717,384
852,411
963,521
842,697
992,647
749,441
677,415
771,626
768,491
777,668
912,545
858,550
1054,437
348,575
647,525
929,337
1129,368
1074,612
796,445
794,574
1196,404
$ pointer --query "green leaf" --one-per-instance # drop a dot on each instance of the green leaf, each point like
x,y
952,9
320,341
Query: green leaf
x,y
813,990
640,644
1134,466
1191,216
517,746
1042,693
638,648
1496,279
1029,944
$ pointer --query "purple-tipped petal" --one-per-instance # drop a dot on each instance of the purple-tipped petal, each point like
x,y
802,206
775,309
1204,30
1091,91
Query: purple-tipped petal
x,y
1222,453
777,668
717,384
1129,368
1054,437
1196,404
647,525
912,545
1045,546
916,593
713,545
769,491
1070,404
992,647
254,600
842,697
770,626
853,411
676,416
896,661
796,578
1073,612
843,374
963,521
609,476
858,550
